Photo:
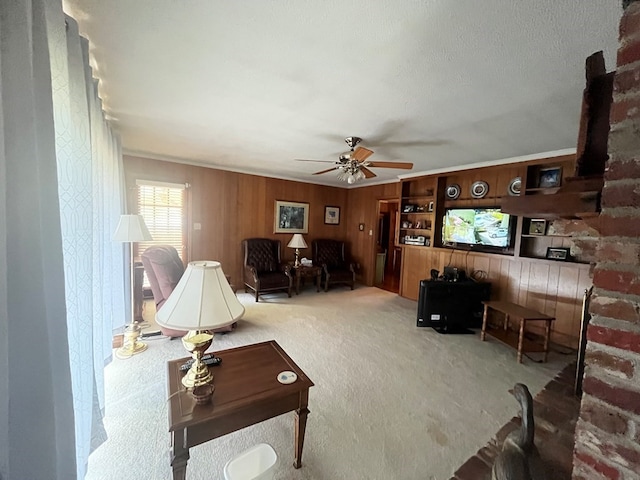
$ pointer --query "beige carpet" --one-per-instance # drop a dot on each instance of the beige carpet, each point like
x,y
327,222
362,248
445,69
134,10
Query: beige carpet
x,y
391,401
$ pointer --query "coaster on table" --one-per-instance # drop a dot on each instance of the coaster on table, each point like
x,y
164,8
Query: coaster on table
x,y
287,377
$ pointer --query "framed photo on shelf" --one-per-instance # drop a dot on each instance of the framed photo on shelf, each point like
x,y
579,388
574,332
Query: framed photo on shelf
x,y
332,215
408,208
558,253
430,207
537,226
550,177
291,217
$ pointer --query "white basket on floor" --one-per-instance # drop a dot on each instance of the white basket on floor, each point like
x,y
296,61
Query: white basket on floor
x,y
257,463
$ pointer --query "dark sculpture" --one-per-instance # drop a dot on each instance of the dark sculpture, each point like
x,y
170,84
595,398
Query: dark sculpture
x,y
519,458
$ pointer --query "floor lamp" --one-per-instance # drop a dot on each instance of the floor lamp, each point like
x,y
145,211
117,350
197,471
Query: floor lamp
x,y
131,228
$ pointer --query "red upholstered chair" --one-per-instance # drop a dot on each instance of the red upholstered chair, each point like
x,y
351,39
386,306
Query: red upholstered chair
x,y
164,269
263,269
330,255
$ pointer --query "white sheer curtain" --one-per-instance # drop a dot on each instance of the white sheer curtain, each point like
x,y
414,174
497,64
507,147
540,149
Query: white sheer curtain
x,y
61,277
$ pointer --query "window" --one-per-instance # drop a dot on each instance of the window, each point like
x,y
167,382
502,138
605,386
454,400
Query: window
x,y
162,205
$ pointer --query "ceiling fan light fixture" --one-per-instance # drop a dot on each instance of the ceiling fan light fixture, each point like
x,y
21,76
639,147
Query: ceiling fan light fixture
x,y
350,173
343,175
353,165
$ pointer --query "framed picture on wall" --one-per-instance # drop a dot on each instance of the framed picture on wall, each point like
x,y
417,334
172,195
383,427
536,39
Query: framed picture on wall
x,y
291,217
550,177
332,215
537,226
558,253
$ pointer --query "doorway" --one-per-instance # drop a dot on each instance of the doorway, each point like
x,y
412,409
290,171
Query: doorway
x,y
388,253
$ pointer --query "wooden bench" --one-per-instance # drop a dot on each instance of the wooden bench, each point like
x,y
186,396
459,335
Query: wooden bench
x,y
524,315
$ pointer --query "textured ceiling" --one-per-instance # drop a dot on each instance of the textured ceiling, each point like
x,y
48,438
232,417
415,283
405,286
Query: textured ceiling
x,y
252,85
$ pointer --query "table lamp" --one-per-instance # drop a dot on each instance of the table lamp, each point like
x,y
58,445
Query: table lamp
x,y
131,228
202,301
297,242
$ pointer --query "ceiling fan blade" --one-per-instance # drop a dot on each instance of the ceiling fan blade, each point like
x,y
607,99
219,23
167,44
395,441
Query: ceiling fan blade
x,y
401,165
307,160
361,154
367,173
324,171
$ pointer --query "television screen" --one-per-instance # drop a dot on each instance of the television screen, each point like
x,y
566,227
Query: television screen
x,y
477,226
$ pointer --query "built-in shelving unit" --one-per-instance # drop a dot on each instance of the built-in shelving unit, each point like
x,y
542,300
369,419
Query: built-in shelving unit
x,y
423,203
537,246
417,208
535,241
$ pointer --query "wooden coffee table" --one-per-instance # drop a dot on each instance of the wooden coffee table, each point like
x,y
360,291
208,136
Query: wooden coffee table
x,y
246,392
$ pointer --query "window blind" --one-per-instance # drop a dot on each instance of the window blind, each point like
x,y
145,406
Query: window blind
x,y
162,207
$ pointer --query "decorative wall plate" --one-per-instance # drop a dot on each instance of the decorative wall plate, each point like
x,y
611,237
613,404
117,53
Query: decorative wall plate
x,y
479,189
514,186
453,191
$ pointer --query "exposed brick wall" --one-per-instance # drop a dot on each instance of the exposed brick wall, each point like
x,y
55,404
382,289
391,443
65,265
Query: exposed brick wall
x,y
608,430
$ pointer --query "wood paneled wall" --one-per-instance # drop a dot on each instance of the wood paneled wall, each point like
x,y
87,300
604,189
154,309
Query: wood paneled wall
x,y
362,207
553,288
497,178
232,206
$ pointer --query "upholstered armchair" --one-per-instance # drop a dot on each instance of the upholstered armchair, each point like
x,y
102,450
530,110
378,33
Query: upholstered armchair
x,y
330,255
164,269
263,269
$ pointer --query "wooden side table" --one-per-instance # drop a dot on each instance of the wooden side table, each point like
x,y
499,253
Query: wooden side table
x,y
246,392
301,272
524,315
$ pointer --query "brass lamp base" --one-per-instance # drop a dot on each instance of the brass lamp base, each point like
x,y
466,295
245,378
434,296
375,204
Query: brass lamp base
x,y
132,346
197,342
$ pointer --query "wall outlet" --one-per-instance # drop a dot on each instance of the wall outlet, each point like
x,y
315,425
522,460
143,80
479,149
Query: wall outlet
x,y
197,226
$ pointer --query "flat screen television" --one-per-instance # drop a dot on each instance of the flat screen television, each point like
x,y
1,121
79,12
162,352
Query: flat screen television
x,y
480,228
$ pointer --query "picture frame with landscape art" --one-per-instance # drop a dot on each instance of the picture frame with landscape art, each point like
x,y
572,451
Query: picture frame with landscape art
x,y
332,215
291,217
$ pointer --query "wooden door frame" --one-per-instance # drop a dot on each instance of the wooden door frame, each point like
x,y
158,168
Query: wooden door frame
x,y
373,258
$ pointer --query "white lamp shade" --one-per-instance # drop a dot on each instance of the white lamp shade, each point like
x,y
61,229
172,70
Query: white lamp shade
x,y
131,228
297,241
202,300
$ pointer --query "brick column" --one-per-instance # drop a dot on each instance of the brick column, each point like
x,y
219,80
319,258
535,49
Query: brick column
x,y
608,430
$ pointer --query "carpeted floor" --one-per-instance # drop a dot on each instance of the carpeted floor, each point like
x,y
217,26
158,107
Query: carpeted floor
x,y
391,401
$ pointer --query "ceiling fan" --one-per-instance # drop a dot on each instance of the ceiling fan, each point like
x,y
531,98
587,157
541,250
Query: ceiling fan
x,y
353,165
